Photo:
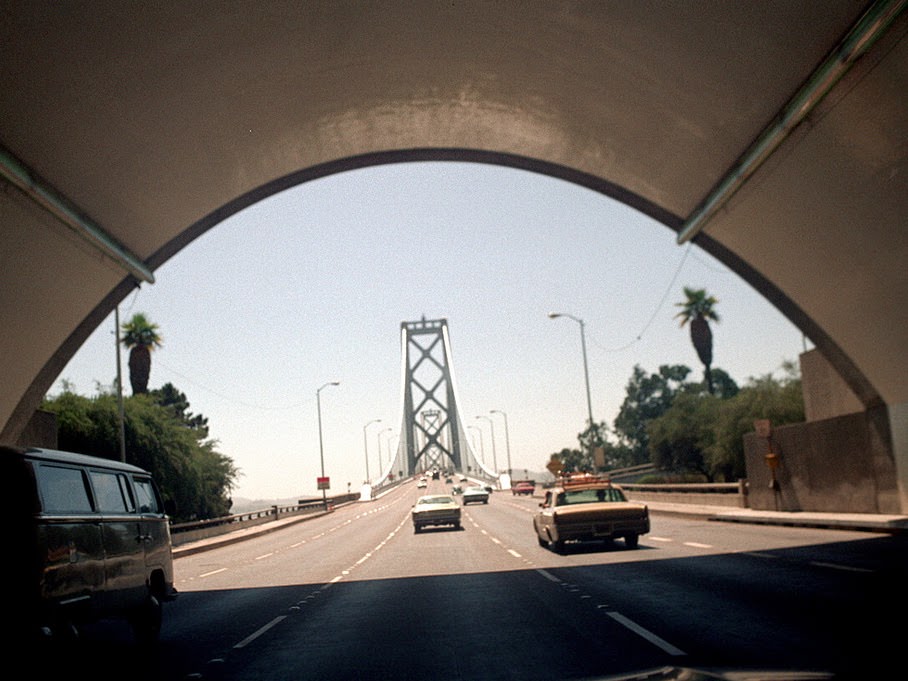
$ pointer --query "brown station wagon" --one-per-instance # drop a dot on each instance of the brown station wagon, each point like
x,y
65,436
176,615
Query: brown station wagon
x,y
89,540
588,508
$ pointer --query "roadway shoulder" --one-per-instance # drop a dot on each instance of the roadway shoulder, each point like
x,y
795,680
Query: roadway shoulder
x,y
870,522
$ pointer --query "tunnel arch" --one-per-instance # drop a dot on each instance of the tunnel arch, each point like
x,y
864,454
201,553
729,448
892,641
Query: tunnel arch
x,y
842,363
142,120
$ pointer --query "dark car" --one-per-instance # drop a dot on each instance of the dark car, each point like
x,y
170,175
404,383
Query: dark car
x,y
475,495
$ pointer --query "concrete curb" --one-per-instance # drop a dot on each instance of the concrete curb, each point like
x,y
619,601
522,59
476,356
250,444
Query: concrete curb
x,y
866,522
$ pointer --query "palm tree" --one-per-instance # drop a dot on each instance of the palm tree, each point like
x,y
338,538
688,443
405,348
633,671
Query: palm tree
x,y
698,309
140,336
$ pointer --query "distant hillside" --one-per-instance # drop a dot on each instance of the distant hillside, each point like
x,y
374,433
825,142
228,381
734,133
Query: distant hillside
x,y
244,505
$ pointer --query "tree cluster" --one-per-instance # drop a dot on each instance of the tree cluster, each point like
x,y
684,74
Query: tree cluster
x,y
681,427
162,436
685,427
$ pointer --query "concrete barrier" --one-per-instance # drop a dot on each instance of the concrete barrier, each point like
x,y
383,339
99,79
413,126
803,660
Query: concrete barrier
x,y
733,494
183,533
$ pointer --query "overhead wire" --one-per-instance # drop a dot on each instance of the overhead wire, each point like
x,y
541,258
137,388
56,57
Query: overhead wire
x,y
658,308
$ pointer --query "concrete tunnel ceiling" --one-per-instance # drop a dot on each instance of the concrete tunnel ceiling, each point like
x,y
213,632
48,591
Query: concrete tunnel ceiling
x,y
143,125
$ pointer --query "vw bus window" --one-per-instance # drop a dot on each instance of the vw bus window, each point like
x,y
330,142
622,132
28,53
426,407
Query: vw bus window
x,y
109,492
64,490
148,500
127,493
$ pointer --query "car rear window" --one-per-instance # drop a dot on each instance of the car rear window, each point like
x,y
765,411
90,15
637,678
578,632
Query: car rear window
x,y
589,496
436,500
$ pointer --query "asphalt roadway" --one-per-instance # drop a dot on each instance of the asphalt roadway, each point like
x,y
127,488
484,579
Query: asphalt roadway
x,y
866,522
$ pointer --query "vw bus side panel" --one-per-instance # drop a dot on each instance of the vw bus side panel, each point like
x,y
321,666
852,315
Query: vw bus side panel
x,y
90,540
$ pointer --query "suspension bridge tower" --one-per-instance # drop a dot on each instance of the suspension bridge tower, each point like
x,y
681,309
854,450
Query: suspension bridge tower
x,y
432,433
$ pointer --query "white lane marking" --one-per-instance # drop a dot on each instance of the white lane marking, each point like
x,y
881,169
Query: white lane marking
x,y
618,617
549,576
249,639
651,538
760,554
514,553
836,566
264,555
697,545
645,633
213,572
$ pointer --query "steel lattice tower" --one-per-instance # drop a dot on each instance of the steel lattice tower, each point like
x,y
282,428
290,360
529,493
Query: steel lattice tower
x,y
432,433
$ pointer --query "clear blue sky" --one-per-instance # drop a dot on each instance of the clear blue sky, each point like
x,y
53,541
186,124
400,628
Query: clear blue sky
x,y
312,285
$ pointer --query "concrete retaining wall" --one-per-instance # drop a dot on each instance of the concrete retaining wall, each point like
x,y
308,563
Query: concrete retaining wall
x,y
843,464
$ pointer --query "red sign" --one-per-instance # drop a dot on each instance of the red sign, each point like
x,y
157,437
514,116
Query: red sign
x,y
323,483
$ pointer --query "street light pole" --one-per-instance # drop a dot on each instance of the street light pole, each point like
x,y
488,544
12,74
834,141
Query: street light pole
x,y
494,458
366,446
378,437
507,437
482,451
321,447
586,369
121,420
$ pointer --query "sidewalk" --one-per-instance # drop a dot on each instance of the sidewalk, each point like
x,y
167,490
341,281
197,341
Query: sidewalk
x,y
867,522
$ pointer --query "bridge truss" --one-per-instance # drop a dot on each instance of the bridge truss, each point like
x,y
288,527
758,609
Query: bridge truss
x,y
432,433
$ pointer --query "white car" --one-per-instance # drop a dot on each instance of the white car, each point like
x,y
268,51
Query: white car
x,y
475,495
435,509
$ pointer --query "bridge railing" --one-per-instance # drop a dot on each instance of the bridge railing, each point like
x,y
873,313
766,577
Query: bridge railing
x,y
707,494
182,533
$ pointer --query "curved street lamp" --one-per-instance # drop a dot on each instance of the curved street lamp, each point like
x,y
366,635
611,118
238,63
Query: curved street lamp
x,y
378,437
366,446
492,426
586,370
321,448
482,451
507,438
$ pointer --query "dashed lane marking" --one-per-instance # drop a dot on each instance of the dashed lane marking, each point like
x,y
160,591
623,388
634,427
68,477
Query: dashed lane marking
x,y
213,572
838,566
548,575
645,633
615,615
254,635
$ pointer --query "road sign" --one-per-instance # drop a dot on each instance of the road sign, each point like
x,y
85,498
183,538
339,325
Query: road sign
x,y
763,427
555,465
323,483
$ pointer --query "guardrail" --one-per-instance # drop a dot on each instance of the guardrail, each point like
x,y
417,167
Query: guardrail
x,y
707,494
182,533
